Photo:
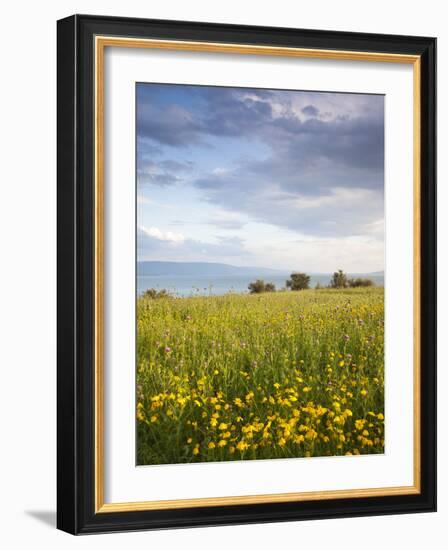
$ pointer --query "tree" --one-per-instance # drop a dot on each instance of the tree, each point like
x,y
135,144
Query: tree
x,y
339,280
154,294
298,281
257,287
353,283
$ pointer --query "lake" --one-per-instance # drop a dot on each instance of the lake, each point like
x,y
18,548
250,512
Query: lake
x,y
215,285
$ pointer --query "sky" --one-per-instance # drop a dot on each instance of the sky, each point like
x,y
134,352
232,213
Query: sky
x,y
284,179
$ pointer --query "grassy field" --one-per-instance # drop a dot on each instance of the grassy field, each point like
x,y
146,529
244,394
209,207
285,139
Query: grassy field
x,y
276,375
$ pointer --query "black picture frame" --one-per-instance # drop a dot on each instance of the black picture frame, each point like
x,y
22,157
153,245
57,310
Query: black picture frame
x,y
76,272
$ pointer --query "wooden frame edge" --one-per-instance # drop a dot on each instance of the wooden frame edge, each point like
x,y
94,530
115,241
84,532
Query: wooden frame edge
x,y
255,499
101,42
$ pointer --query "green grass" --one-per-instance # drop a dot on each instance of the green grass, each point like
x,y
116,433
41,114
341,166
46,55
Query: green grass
x,y
286,374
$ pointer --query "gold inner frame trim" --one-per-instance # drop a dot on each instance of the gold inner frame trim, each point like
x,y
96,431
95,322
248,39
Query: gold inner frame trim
x,y
101,42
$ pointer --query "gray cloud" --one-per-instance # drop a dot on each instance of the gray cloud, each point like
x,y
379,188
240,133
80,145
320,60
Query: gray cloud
x,y
310,110
230,223
163,172
153,243
249,113
172,125
223,112
324,170
341,211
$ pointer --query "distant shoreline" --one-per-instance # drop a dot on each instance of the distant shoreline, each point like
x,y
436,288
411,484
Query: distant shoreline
x,y
183,285
146,268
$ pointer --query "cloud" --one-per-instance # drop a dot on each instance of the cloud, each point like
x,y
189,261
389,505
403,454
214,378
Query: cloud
x,y
229,220
167,246
333,211
321,171
162,172
156,233
141,199
230,225
224,220
272,117
310,110
173,125
227,223
325,255
211,111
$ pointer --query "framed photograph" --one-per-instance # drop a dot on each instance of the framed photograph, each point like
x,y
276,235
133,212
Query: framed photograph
x,y
246,274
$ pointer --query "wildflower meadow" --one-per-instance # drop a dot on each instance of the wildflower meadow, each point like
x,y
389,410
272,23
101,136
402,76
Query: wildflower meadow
x,y
274,375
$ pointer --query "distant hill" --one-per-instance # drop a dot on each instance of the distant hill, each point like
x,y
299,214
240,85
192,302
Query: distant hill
x,y
201,269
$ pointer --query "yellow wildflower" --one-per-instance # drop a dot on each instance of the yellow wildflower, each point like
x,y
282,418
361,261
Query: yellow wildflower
x,y
242,445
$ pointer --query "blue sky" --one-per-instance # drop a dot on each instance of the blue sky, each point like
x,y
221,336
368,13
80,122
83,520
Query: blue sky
x,y
274,178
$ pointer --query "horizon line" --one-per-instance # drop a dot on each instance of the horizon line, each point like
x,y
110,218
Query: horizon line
x,y
260,267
